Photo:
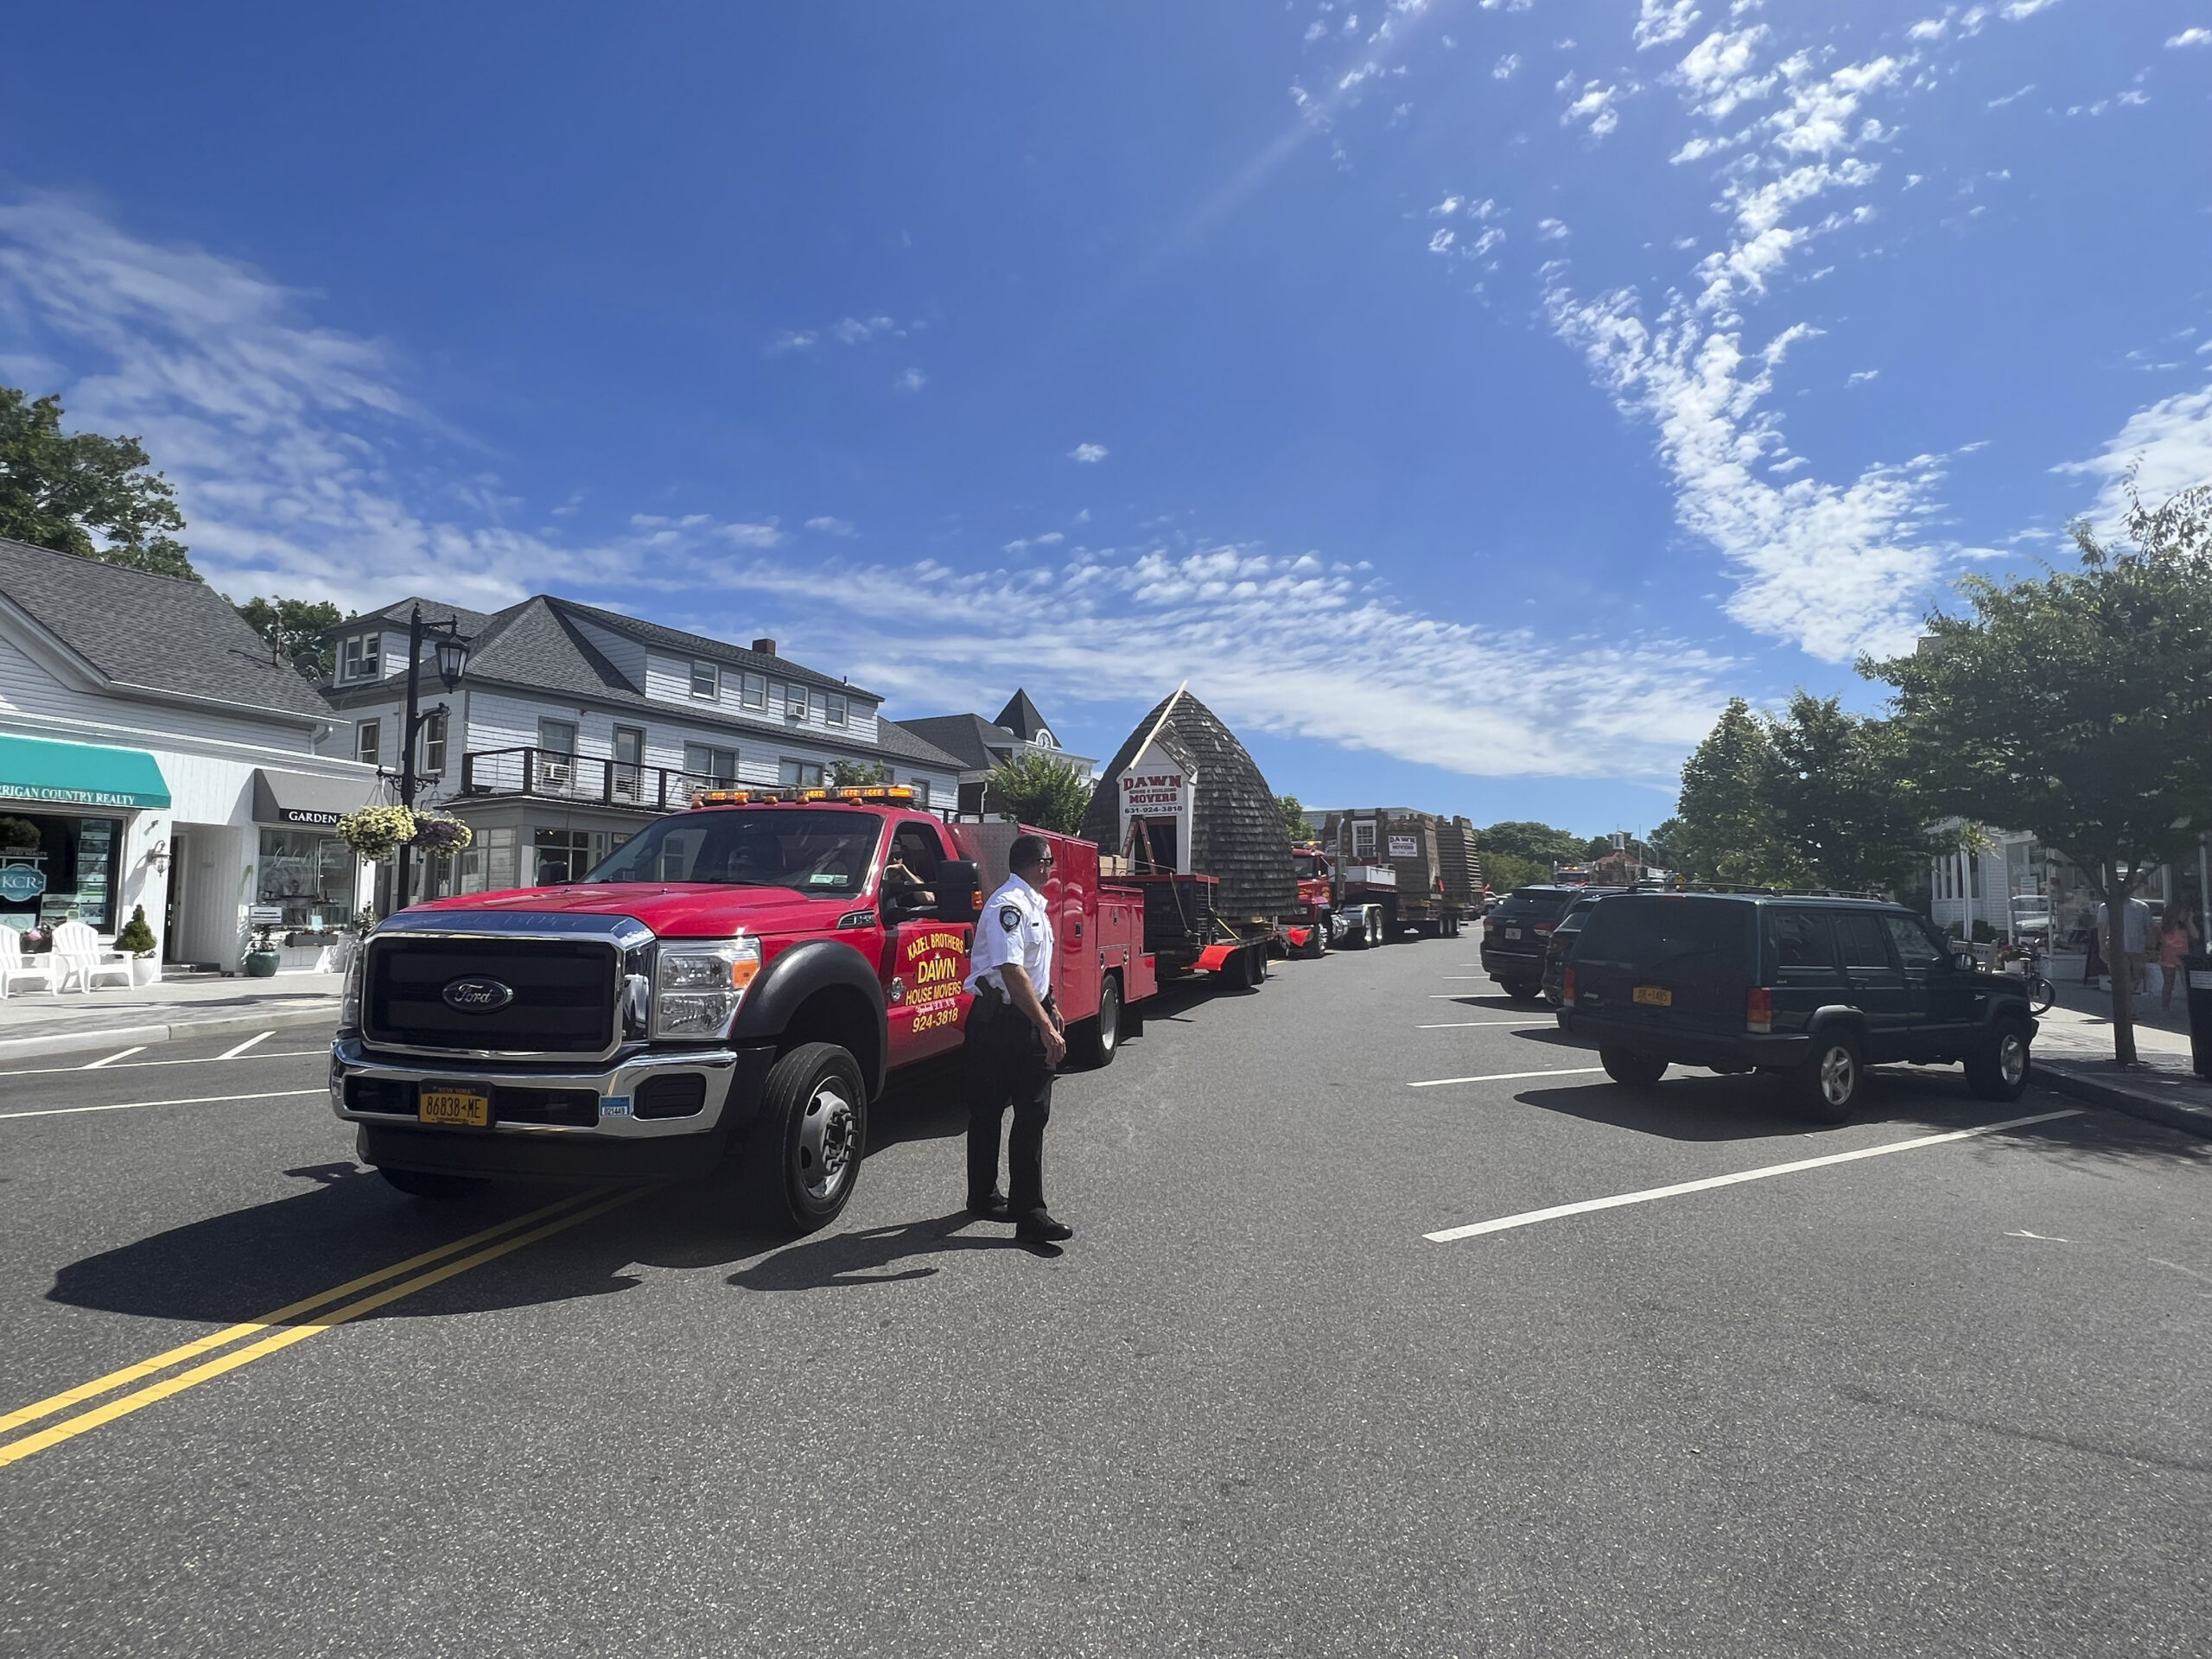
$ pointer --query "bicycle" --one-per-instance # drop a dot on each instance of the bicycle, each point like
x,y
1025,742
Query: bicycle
x,y
2041,992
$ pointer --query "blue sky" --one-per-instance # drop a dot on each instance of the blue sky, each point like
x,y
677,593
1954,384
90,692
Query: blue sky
x,y
1466,397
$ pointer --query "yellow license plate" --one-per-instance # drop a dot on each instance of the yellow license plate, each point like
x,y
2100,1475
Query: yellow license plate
x,y
1657,995
462,1107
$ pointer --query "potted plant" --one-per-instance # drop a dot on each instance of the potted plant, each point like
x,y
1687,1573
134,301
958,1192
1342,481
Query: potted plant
x,y
262,961
435,832
375,832
136,937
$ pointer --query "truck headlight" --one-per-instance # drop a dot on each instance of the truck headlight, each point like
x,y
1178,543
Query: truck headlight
x,y
349,995
698,987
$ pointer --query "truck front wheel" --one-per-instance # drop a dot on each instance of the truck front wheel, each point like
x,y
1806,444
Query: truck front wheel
x,y
804,1154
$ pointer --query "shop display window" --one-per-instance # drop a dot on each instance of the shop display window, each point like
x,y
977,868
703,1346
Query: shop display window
x,y
58,867
309,874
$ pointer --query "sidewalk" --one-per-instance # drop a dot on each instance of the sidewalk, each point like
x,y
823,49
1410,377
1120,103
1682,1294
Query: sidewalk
x,y
2073,1055
43,1022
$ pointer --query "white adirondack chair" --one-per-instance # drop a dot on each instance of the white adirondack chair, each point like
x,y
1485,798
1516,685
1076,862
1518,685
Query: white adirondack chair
x,y
16,965
80,955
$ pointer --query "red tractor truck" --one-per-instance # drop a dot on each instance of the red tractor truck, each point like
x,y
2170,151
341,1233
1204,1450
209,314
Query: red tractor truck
x,y
728,991
1377,872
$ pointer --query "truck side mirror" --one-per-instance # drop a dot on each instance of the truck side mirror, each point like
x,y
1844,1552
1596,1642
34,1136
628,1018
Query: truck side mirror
x,y
959,890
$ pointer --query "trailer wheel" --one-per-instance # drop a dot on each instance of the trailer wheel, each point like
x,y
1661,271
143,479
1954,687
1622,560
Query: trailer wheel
x,y
1318,944
804,1157
1095,1041
1377,926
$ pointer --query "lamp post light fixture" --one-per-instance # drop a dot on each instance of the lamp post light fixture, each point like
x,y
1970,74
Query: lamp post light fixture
x,y
453,663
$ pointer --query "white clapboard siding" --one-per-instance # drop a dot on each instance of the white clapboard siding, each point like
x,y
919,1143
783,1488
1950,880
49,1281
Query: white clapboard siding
x,y
27,687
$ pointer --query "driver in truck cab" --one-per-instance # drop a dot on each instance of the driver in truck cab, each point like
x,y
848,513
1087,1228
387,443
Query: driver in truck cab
x,y
1014,1038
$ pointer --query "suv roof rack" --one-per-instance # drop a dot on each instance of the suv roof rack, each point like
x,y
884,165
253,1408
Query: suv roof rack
x,y
1735,889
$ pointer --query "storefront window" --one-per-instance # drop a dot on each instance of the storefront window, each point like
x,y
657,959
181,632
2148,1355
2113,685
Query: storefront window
x,y
565,855
63,870
309,874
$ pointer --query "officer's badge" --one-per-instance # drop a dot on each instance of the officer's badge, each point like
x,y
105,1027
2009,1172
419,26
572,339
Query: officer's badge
x,y
1009,918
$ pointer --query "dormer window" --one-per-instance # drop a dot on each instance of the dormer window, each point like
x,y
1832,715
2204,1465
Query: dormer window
x,y
363,657
705,680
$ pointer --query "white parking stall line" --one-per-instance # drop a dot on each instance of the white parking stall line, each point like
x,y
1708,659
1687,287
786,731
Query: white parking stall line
x,y
196,1100
120,1054
1529,1217
1475,1025
194,1060
1509,1077
232,1053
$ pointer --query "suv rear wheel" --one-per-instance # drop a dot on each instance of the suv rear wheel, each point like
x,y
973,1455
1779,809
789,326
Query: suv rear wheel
x,y
1826,1087
804,1154
1632,1070
1999,1069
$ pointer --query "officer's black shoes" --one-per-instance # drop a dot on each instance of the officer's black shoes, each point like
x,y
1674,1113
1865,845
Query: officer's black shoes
x,y
990,1207
1037,1228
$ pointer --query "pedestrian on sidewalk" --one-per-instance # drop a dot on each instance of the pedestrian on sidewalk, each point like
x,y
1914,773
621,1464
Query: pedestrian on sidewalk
x,y
2177,928
2093,960
2127,949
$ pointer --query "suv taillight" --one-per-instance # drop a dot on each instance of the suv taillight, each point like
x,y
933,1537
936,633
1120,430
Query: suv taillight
x,y
1566,987
1758,1009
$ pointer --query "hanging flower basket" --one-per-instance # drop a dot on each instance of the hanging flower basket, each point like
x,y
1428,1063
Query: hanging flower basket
x,y
437,833
375,832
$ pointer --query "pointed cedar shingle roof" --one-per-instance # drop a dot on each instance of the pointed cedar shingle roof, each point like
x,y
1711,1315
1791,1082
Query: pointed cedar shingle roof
x,y
1021,717
1236,832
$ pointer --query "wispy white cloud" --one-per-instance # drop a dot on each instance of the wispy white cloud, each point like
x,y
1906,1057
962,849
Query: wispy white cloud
x,y
1089,453
826,526
790,340
1552,230
1506,67
1860,377
1595,106
910,380
2163,448
1659,23
2190,37
858,330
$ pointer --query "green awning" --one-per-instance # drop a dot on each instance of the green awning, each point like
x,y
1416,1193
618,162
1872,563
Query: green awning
x,y
82,774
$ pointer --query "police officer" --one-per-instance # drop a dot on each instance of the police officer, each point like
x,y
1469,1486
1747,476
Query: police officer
x,y
1014,1038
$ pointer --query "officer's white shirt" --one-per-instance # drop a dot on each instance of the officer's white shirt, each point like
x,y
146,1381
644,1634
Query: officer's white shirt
x,y
1015,927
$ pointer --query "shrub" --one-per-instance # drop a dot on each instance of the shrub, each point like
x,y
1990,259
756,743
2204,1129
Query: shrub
x,y
134,934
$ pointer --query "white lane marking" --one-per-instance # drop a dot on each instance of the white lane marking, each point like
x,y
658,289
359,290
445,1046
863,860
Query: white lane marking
x,y
1472,1025
232,1053
1509,1077
1452,997
196,1059
120,1054
1528,1217
196,1100
2022,1232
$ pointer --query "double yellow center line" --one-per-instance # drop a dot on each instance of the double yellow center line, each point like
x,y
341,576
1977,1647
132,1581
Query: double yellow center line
x,y
295,1322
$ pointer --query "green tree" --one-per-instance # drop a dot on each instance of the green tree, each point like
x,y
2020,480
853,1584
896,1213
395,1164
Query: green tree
x,y
859,774
1536,843
1295,824
1503,872
1724,829
1040,790
84,493
1838,801
294,629
1596,846
2078,705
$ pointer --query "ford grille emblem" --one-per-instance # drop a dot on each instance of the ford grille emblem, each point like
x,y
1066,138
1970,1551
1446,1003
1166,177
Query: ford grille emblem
x,y
477,995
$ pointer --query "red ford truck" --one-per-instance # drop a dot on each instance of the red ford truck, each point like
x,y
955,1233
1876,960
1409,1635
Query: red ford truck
x,y
728,991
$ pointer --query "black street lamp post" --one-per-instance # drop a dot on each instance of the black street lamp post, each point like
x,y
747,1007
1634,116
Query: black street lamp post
x,y
453,663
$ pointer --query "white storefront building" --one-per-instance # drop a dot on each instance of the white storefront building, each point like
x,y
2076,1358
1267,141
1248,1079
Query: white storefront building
x,y
153,756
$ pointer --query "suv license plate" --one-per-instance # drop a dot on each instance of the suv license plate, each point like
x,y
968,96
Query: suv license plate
x,y
1512,933
1657,996
465,1107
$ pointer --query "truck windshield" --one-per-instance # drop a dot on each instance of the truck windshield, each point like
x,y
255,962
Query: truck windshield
x,y
1302,865
824,852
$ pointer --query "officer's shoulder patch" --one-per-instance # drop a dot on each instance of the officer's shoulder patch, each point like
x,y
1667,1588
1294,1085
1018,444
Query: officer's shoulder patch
x,y
1009,918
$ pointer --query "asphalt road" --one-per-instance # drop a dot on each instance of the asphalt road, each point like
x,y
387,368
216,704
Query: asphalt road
x,y
1947,1400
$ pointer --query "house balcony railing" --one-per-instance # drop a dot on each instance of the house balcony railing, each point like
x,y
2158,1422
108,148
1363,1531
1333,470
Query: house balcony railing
x,y
547,774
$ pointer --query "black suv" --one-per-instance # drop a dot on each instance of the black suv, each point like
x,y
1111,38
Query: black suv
x,y
1810,989
1516,933
1563,937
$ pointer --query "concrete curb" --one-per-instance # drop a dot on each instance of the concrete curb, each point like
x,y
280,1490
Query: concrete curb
x,y
2153,1098
111,1037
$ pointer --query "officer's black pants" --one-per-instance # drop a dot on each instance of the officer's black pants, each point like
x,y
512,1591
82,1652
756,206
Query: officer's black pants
x,y
1006,1066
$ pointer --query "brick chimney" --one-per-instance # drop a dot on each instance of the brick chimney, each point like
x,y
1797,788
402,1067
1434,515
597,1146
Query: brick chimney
x,y
765,647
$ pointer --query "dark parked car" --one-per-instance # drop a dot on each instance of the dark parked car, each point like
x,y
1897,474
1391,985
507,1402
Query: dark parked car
x,y
1563,936
1514,934
1812,990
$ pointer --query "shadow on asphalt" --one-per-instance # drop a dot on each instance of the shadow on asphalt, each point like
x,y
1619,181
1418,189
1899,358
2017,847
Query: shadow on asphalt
x,y
346,1221
1700,1106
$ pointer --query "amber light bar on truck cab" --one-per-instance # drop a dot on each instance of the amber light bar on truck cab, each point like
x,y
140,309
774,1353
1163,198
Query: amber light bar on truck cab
x,y
873,794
